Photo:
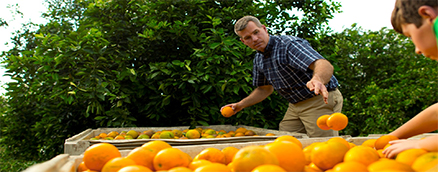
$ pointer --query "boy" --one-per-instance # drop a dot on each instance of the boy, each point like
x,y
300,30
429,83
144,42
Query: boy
x,y
417,19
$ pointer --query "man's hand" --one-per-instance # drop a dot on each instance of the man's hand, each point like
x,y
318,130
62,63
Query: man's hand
x,y
236,108
318,87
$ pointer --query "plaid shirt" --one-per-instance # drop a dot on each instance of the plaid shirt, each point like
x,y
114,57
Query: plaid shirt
x,y
285,66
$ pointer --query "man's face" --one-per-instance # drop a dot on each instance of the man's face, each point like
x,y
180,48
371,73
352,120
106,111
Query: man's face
x,y
423,38
254,37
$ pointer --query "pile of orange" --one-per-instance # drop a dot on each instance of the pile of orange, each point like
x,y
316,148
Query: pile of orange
x,y
286,153
196,133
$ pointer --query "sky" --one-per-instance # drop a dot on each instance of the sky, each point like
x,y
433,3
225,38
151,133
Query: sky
x,y
368,14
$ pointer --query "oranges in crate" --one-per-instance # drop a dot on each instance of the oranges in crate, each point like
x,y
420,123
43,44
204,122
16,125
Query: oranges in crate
x,y
283,154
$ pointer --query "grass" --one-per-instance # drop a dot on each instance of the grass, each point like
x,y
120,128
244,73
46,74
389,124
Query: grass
x,y
9,163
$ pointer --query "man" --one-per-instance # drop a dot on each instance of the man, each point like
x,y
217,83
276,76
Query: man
x,y
297,72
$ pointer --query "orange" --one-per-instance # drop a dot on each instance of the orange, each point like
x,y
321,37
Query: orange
x,y
291,139
156,135
322,122
340,140
369,143
103,135
197,163
351,145
167,135
387,145
98,154
250,133
380,152
180,169
290,156
143,156
362,154
308,150
82,167
312,168
382,141
90,170
249,157
268,168
116,164
350,166
135,168
210,131
177,133
112,134
133,133
169,158
119,137
211,154
239,134
389,165
229,153
227,111
157,145
216,167
270,134
409,156
327,154
241,130
193,134
337,121
426,161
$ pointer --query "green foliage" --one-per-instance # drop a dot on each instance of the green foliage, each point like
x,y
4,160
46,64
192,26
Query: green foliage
x,y
13,164
127,63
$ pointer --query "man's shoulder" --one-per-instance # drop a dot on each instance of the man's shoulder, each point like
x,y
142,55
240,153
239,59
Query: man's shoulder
x,y
287,38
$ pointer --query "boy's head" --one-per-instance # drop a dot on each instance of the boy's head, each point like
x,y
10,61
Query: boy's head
x,y
415,19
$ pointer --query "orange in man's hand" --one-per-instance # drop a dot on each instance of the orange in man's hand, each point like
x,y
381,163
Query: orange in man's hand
x,y
322,122
227,111
337,121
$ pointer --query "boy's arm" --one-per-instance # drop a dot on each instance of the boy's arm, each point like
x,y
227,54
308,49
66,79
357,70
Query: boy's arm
x,y
426,121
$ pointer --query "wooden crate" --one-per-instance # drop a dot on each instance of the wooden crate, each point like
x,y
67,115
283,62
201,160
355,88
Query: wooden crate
x,y
77,144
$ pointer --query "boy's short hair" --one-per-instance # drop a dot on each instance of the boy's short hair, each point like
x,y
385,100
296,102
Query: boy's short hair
x,y
406,12
243,22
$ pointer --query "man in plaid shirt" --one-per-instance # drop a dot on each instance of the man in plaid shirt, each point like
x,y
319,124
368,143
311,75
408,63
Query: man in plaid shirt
x,y
296,71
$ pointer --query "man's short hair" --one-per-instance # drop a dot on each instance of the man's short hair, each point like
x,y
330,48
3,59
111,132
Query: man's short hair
x,y
406,12
243,22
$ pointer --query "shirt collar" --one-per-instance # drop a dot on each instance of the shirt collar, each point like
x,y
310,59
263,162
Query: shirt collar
x,y
268,48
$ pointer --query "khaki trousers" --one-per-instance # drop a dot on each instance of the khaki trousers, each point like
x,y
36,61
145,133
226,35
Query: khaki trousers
x,y
301,117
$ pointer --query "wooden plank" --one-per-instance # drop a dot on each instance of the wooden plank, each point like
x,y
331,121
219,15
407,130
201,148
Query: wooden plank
x,y
53,165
